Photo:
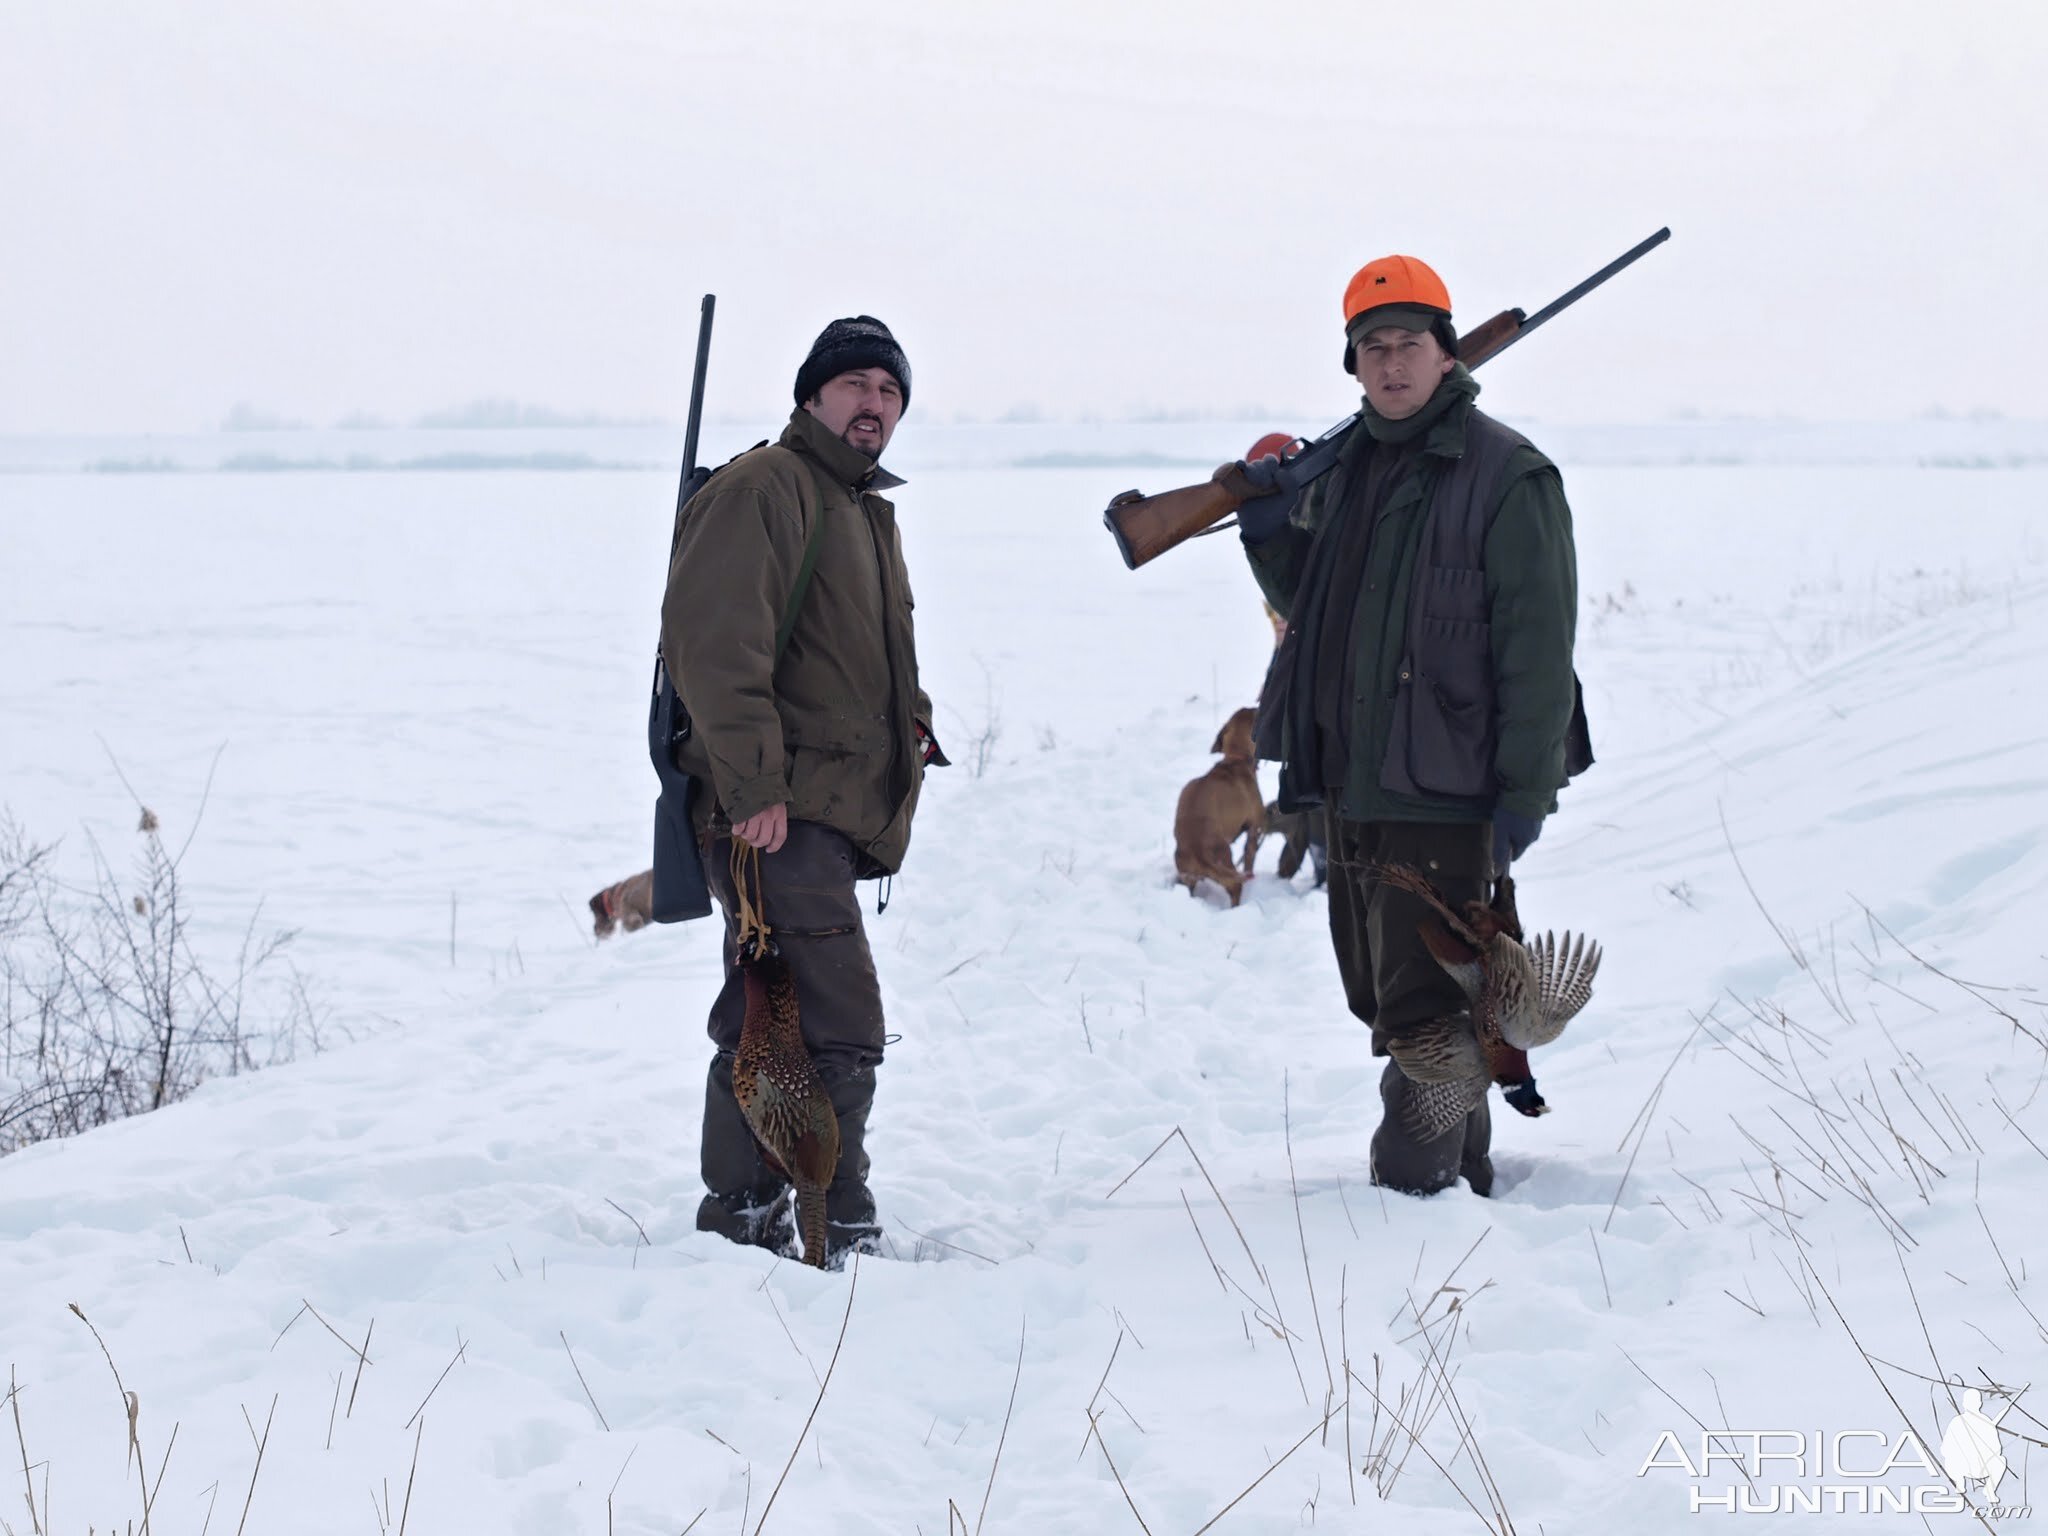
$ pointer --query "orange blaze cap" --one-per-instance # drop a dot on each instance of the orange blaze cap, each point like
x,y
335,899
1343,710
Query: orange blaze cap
x,y
1394,280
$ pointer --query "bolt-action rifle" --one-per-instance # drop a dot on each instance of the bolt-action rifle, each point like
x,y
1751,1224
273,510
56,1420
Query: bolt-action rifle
x,y
1145,527
680,889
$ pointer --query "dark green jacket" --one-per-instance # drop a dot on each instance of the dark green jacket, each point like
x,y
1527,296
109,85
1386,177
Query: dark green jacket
x,y
1532,602
831,729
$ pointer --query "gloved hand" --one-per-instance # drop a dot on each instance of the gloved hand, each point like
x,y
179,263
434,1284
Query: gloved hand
x,y
1512,834
1270,496
1525,1098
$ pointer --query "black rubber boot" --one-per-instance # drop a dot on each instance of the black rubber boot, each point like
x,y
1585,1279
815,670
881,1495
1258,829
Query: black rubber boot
x,y
760,1219
849,1205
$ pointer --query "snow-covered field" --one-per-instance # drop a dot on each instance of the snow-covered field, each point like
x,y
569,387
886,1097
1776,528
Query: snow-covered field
x,y
1805,1101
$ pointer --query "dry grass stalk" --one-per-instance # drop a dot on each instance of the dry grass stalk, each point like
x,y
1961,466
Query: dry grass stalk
x,y
405,1510
1712,1439
21,1440
345,1344
1649,1114
1311,1433
777,1310
1177,1131
132,1406
1102,1445
1883,1386
461,1349
1434,1363
645,1241
852,1286
258,1472
613,1490
1005,1435
1975,989
586,1385
1213,1265
162,1467
1604,1290
940,1242
1294,1188
1279,1326
1099,1385
1415,1439
362,1359
1344,1349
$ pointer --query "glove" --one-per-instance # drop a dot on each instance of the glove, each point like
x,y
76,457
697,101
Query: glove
x,y
1525,1098
1512,834
1270,496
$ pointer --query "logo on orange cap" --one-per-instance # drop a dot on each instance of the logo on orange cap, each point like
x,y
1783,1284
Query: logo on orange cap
x,y
1394,280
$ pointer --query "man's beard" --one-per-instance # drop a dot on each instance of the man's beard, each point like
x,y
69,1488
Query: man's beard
x,y
848,438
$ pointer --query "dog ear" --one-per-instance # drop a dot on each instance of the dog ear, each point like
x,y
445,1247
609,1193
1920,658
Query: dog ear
x,y
1218,747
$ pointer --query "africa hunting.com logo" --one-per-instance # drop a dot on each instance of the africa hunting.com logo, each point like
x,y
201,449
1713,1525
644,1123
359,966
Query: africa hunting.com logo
x,y
1851,1471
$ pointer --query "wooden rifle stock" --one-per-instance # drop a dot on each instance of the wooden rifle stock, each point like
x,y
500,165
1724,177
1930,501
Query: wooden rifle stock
x,y
1146,527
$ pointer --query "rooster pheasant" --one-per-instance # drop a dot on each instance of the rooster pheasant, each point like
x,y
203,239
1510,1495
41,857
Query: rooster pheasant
x,y
780,1093
1521,996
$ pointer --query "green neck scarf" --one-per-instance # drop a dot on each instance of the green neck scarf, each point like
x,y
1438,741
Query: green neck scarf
x,y
1458,387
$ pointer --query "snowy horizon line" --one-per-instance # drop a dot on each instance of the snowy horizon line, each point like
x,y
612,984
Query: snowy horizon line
x,y
488,415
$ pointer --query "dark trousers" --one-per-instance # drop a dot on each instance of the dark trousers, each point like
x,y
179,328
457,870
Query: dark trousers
x,y
1394,984
811,902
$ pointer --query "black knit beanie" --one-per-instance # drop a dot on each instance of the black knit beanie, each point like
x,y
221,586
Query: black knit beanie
x,y
860,341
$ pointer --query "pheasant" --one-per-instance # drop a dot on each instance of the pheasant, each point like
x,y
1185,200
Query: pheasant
x,y
780,1093
1521,995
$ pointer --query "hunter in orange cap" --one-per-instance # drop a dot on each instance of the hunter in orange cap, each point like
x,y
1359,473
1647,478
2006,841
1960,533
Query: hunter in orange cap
x,y
1423,701
1400,291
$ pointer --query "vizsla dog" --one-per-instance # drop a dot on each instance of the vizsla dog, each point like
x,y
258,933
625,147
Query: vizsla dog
x,y
1216,808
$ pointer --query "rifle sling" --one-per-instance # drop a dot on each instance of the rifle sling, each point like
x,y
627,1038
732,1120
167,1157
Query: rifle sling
x,y
802,587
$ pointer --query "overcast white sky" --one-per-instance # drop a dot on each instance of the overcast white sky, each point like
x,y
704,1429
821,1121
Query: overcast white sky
x,y
1084,208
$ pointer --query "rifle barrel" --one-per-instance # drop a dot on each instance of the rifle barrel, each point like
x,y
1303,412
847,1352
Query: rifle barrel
x,y
697,387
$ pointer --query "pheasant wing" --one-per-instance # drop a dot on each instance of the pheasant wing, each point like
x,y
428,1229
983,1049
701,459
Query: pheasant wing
x,y
1565,969
1431,1110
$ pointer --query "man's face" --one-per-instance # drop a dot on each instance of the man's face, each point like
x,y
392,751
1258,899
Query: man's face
x,y
860,408
1400,369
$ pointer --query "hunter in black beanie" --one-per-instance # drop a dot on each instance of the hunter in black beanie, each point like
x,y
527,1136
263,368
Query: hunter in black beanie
x,y
860,341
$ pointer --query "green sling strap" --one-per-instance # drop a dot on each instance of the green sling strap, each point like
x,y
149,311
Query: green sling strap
x,y
803,586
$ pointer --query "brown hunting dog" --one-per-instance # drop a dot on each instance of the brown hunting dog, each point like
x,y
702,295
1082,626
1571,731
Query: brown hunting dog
x,y
1216,808
628,905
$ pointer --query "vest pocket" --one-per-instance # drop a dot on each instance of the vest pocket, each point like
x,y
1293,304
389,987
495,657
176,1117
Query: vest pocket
x,y
1456,593
1451,734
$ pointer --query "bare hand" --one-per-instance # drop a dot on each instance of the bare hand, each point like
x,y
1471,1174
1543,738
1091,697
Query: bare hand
x,y
766,831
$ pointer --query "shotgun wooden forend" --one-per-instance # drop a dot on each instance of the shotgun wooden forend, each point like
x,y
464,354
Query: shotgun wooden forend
x,y
1146,527
1488,337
